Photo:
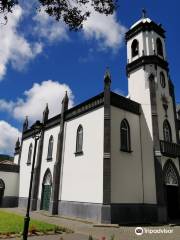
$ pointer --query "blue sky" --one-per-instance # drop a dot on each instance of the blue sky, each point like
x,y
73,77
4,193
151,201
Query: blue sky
x,y
40,59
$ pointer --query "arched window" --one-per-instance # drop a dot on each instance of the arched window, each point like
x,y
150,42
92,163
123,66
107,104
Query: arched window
x,y
79,139
50,148
29,154
162,79
167,131
170,174
135,48
125,136
2,187
159,47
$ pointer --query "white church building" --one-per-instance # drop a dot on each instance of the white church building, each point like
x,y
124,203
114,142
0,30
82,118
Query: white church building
x,y
111,159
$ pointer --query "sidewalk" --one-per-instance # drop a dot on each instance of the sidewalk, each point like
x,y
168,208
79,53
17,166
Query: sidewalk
x,y
83,229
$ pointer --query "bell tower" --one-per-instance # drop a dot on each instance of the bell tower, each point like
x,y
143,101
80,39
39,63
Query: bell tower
x,y
146,57
149,84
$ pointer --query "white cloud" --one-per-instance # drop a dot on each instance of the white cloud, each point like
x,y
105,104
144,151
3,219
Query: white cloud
x,y
8,138
14,48
6,106
49,29
35,99
105,29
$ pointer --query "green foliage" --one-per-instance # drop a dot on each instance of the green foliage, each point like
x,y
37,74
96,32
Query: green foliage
x,y
72,12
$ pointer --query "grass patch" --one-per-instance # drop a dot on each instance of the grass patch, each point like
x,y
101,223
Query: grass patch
x,y
11,223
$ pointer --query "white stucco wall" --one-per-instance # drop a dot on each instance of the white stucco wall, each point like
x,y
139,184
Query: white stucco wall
x,y
25,170
82,176
147,43
45,164
16,158
11,181
132,174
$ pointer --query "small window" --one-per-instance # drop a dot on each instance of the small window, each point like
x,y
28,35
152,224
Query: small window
x,y
79,139
125,136
50,148
162,80
159,47
29,154
167,131
2,187
135,48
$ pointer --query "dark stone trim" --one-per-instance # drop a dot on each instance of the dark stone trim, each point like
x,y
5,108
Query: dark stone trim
x,y
49,159
37,171
178,124
124,103
78,153
85,107
118,213
9,168
157,159
133,213
143,27
146,60
107,143
95,212
53,208
88,106
126,150
9,201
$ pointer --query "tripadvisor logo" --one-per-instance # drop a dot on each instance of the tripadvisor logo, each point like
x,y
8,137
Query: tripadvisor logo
x,y
139,231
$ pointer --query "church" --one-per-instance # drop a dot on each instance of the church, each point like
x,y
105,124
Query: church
x,y
111,159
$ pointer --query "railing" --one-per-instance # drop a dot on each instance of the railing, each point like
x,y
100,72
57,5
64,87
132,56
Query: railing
x,y
169,149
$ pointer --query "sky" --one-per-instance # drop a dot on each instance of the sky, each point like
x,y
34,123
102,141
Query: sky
x,y
40,59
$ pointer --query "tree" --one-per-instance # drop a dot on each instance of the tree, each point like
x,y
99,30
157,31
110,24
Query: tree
x,y
72,12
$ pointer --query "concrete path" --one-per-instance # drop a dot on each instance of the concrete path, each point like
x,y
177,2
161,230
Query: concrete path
x,y
83,229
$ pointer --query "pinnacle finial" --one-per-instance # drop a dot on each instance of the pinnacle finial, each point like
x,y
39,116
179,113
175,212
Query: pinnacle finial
x,y
25,124
144,13
107,75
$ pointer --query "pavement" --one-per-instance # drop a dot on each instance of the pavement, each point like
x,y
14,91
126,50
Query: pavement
x,y
83,229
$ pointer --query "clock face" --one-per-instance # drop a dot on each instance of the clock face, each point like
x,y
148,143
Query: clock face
x,y
162,80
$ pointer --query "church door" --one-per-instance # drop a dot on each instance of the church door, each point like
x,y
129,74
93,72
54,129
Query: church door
x,y
172,191
2,187
46,191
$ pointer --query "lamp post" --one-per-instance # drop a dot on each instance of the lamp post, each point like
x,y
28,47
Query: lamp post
x,y
36,128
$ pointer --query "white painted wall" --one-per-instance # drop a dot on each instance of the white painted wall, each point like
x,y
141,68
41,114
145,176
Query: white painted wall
x,y
147,42
11,181
132,174
25,170
48,164
82,176
16,158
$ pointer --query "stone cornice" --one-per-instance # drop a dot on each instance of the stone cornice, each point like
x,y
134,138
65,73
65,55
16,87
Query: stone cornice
x,y
143,27
145,60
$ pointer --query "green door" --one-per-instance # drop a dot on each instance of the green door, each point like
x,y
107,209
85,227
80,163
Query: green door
x,y
46,197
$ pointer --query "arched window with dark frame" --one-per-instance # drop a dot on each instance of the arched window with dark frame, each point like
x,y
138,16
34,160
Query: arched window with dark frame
x,y
167,131
125,136
162,80
135,48
29,154
2,188
159,47
50,148
79,139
